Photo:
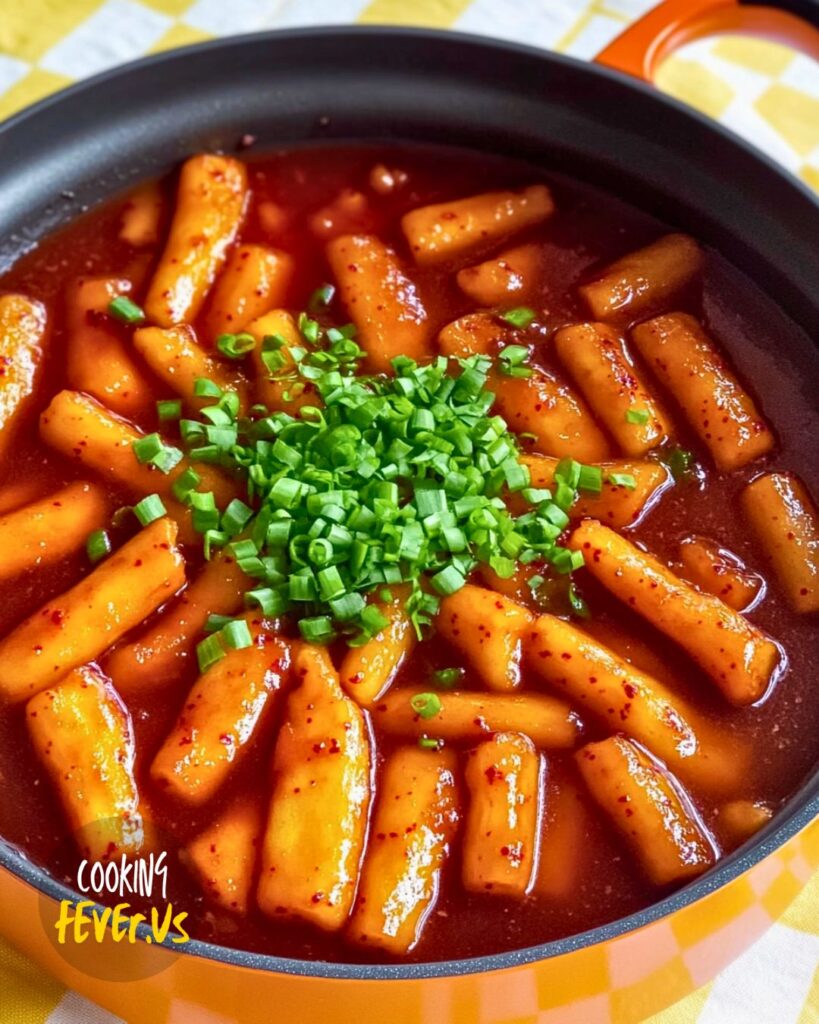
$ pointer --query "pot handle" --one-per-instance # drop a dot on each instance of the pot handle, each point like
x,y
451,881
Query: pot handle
x,y
642,48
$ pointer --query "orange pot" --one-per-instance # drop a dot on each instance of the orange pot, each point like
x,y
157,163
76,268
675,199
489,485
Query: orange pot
x,y
616,974
439,88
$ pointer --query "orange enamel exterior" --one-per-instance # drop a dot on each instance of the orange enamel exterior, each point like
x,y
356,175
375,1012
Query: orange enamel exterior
x,y
618,981
642,48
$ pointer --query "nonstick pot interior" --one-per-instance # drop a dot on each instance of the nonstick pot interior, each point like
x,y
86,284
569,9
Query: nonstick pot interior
x,y
342,83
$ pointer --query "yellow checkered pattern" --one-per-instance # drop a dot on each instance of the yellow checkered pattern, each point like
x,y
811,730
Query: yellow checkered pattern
x,y
763,91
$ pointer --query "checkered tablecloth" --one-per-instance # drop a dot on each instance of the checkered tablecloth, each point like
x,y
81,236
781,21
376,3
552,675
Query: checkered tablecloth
x,y
763,91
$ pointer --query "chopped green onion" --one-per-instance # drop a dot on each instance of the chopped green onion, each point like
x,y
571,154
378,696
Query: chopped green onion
x,y
521,316
205,514
680,462
213,539
124,309
430,743
236,635
590,479
167,459
448,580
152,450
347,606
209,651
98,545
568,472
373,620
235,346
447,678
321,297
564,495
511,359
565,561
637,416
147,448
169,409
330,583
626,480
235,517
204,388
556,516
578,605
149,509
272,356
385,480
185,483
426,705
310,329
536,495
216,622
270,602
318,629
514,354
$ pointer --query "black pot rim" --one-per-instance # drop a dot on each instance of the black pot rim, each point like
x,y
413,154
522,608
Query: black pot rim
x,y
799,812
94,83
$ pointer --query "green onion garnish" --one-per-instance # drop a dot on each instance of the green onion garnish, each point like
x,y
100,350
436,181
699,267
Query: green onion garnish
x,y
568,472
680,462
152,450
373,621
235,346
122,308
209,651
448,580
149,509
216,622
430,743
626,480
521,316
426,705
309,329
268,600
235,517
226,634
565,560
590,479
512,357
577,604
185,483
148,447
321,297
169,409
381,480
205,514
236,635
98,545
636,416
318,629
272,355
204,388
167,459
447,678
